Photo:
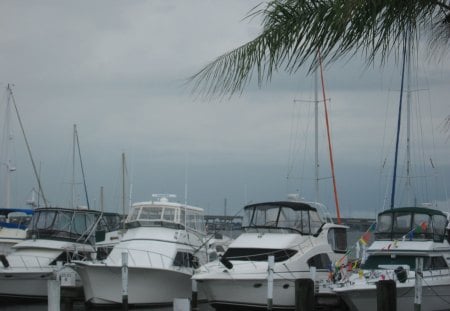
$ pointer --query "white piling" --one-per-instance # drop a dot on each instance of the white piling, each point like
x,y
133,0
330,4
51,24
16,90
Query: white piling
x,y
124,281
270,265
312,271
418,286
53,294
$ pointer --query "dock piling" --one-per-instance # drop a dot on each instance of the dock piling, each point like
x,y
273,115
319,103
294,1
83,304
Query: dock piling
x,y
304,295
386,295
124,281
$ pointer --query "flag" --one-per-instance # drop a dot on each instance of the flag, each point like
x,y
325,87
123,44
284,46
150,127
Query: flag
x,y
365,238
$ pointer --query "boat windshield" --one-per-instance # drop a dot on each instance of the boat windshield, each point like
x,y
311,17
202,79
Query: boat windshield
x,y
412,224
278,216
62,224
167,216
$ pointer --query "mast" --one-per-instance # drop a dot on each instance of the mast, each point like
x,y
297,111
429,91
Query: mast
x,y
123,187
408,125
82,167
394,176
8,166
330,149
41,190
316,132
73,166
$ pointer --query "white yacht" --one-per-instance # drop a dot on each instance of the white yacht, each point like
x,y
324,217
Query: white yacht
x,y
164,242
402,236
298,238
54,235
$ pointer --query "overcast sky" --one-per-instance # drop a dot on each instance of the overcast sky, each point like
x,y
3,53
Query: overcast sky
x,y
117,69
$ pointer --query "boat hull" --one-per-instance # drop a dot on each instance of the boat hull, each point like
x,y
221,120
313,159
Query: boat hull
x,y
251,293
146,286
435,297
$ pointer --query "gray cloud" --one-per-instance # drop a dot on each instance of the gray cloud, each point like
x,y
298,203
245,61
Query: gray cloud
x,y
117,69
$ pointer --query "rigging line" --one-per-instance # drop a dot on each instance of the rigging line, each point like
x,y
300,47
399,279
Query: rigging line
x,y
330,149
398,122
41,190
82,168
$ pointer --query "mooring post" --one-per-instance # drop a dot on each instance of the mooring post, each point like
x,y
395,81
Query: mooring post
x,y
124,281
54,290
418,286
386,295
270,265
194,302
304,295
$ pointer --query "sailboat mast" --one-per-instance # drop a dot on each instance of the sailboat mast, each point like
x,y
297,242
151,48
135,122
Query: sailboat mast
x,y
330,149
7,149
73,167
408,124
316,132
27,144
394,176
123,187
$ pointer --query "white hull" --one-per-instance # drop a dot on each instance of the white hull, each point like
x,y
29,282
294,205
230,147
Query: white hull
x,y
28,286
146,286
28,283
247,292
433,298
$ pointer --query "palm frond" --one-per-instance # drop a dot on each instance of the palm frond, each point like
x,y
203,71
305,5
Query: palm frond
x,y
294,30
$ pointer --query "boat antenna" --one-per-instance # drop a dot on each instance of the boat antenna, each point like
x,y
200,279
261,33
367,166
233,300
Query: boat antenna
x,y
41,190
394,177
330,149
81,164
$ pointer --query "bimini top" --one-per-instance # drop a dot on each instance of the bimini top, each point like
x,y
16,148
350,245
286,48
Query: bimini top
x,y
283,216
63,224
418,223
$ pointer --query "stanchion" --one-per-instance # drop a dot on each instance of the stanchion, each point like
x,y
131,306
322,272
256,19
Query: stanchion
x,y
270,265
418,286
124,281
53,295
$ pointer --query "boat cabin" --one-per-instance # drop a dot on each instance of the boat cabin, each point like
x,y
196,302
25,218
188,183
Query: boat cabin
x,y
411,223
286,216
66,224
166,214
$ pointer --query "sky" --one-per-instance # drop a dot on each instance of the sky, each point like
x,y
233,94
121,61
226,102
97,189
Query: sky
x,y
118,70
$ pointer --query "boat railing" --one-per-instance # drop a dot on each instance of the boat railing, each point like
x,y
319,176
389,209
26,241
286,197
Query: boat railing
x,y
28,261
136,258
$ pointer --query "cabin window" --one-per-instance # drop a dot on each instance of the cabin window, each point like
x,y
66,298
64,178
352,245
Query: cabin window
x,y
384,224
258,254
169,214
440,224
183,259
182,216
320,261
438,263
151,213
45,220
402,223
316,222
134,214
